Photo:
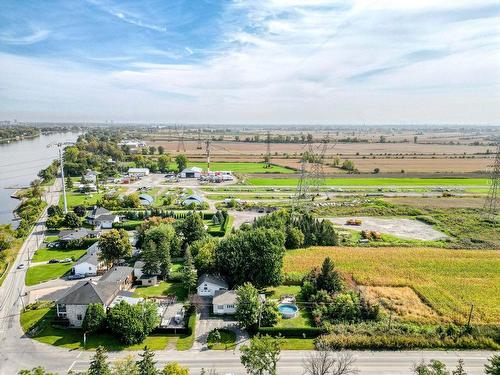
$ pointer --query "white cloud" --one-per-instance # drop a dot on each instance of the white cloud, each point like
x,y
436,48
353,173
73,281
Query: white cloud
x,y
14,39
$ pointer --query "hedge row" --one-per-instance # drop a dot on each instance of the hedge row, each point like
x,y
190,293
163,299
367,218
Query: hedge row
x,y
302,332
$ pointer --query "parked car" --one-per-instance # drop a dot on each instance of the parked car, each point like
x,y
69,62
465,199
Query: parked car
x,y
66,260
76,276
21,266
54,261
53,245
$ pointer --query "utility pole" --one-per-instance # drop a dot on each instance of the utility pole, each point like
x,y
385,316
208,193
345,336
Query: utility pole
x,y
470,315
199,146
268,150
60,146
490,207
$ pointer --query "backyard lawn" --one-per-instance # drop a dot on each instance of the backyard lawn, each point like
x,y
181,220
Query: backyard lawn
x,y
164,288
76,199
39,274
447,280
43,255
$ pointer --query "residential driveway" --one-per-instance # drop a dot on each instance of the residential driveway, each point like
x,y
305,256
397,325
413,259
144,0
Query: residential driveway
x,y
206,323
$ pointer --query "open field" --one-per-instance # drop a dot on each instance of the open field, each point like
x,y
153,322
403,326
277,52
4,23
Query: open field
x,y
448,280
439,202
242,167
377,182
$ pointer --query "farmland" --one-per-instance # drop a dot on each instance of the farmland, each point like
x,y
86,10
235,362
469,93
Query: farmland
x,y
448,280
378,182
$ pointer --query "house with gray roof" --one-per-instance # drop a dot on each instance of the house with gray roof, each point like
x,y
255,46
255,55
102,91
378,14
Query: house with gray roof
x,y
224,302
78,234
209,284
102,218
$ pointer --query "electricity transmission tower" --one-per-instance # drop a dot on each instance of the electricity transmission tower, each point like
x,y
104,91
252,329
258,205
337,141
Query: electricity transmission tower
x,y
312,175
180,142
207,151
268,149
199,145
491,206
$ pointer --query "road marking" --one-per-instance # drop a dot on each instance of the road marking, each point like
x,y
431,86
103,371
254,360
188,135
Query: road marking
x,y
71,367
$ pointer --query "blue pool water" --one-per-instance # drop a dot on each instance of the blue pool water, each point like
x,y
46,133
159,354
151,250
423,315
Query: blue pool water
x,y
287,309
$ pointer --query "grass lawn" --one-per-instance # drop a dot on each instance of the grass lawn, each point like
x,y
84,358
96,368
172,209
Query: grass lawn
x,y
39,274
76,199
448,280
382,181
242,167
277,291
162,289
73,338
51,238
227,340
43,255
176,267
297,344
185,342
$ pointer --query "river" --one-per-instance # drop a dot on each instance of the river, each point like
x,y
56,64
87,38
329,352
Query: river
x,y
19,164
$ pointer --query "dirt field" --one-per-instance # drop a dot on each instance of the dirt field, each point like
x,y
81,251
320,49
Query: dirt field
x,y
423,165
403,228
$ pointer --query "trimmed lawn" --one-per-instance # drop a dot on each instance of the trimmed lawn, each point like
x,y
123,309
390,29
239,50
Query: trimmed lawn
x,y
76,199
227,340
277,291
43,255
447,280
39,274
185,342
297,344
382,181
162,289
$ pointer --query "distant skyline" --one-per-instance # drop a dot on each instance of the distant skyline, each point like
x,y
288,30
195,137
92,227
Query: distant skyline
x,y
251,61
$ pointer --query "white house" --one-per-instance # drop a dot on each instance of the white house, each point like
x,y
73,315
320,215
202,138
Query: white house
x,y
138,172
192,172
106,221
90,177
89,264
224,302
209,284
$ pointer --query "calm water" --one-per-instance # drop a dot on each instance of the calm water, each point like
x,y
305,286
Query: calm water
x,y
19,164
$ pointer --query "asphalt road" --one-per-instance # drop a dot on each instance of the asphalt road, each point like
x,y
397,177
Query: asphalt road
x,y
19,352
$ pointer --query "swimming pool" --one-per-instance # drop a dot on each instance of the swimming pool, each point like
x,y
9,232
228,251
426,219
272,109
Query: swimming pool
x,y
288,310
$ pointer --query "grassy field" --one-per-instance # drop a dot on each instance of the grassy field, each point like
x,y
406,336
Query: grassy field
x,y
242,167
478,182
43,255
76,199
39,274
162,289
448,280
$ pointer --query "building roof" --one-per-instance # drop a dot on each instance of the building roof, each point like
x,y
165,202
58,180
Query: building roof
x,y
117,274
87,292
196,198
146,198
139,264
224,297
192,170
70,235
106,217
90,258
98,211
213,279
138,170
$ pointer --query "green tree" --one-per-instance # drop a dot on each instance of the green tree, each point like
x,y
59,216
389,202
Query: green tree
x,y
80,211
147,365
348,165
434,367
72,220
164,163
460,368
159,241
174,368
161,150
131,201
114,245
95,318
329,279
247,306
493,365
294,238
99,364
189,274
254,255
181,161
125,366
36,189
152,150
36,371
132,323
54,210
270,314
203,252
261,356
150,258
69,183
193,228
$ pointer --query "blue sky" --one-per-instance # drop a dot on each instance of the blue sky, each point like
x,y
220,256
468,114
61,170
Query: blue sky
x,y
251,61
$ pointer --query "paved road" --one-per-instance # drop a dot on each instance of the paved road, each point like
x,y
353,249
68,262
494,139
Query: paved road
x,y
18,352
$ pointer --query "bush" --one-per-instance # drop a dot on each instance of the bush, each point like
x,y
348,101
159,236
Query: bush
x,y
295,332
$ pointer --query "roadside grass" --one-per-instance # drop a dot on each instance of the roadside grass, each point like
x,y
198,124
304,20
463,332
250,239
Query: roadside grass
x,y
447,280
9,255
39,274
242,167
381,181
296,344
185,342
164,288
46,254
227,340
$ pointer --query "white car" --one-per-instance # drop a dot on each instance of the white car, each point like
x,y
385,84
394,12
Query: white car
x,y
21,266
